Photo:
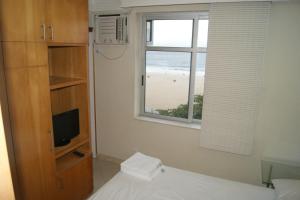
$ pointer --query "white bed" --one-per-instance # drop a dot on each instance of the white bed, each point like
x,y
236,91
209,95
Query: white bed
x,y
175,184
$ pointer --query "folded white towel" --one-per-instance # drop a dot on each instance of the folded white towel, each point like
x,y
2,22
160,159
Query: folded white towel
x,y
142,166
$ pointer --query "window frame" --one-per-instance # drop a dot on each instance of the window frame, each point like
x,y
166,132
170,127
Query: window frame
x,y
193,50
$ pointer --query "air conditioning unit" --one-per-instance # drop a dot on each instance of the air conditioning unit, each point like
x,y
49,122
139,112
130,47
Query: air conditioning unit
x,y
111,29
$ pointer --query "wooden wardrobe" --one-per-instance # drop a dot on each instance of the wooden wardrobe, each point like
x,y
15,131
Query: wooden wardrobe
x,y
45,56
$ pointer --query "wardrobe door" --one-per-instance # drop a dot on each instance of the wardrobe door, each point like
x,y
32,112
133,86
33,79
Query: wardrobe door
x,y
27,81
22,20
75,183
67,21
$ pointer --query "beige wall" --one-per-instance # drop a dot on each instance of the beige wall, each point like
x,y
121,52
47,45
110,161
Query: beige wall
x,y
120,134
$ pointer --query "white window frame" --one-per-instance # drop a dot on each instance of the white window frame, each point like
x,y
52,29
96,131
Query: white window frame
x,y
194,49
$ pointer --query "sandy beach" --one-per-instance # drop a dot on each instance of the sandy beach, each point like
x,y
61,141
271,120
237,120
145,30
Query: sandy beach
x,y
167,89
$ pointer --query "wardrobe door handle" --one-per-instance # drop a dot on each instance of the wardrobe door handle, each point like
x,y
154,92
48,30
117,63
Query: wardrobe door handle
x,y
50,27
43,28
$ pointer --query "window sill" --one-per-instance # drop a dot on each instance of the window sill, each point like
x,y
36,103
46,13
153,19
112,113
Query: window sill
x,y
168,122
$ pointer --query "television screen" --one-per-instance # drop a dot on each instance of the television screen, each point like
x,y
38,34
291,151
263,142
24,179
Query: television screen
x,y
65,127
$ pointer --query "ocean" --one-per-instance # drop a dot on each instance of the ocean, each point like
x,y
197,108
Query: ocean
x,y
174,61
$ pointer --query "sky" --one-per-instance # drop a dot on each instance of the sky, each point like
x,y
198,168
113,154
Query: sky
x,y
178,33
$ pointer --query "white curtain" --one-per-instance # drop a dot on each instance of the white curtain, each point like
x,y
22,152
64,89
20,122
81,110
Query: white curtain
x,y
236,44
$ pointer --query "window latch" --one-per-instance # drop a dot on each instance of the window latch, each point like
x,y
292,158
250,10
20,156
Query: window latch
x,y
142,80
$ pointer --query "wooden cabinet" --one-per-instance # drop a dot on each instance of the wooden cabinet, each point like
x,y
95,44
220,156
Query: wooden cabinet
x,y
22,20
62,21
45,65
67,21
77,178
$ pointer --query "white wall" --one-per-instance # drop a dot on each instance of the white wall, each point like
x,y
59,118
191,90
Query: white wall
x,y
120,134
280,109
104,5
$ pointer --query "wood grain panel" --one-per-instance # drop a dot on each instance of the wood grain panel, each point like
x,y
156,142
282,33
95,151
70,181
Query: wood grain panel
x,y
57,82
78,178
24,54
68,61
63,100
69,20
70,159
30,116
21,20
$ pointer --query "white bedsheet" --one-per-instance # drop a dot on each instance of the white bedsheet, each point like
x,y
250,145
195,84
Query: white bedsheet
x,y
175,184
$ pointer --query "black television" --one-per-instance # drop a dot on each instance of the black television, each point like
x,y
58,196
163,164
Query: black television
x,y
65,127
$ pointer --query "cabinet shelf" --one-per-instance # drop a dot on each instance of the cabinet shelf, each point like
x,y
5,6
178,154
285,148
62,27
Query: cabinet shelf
x,y
57,82
64,44
70,159
74,144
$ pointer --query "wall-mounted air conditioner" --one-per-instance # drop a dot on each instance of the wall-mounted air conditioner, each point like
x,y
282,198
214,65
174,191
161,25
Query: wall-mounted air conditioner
x,y
111,29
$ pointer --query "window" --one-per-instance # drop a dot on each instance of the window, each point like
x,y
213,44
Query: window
x,y
174,59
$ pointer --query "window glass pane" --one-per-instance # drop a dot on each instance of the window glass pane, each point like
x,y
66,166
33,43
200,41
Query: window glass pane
x,y
172,33
202,33
199,85
167,83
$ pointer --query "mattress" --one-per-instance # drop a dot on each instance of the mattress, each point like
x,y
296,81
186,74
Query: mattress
x,y
175,184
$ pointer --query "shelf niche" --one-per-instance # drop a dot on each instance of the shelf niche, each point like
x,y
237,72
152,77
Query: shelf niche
x,y
68,78
68,62
70,159
70,98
